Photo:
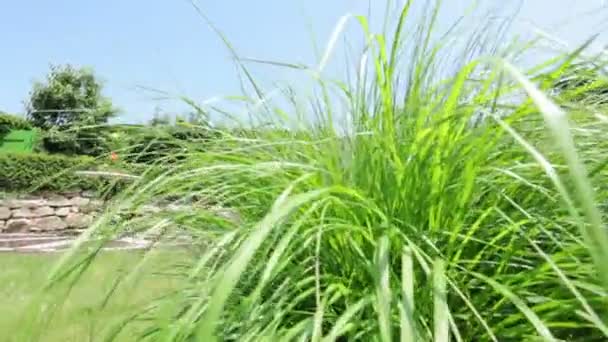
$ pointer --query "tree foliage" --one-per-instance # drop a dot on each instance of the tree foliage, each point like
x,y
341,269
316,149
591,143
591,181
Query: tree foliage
x,y
70,107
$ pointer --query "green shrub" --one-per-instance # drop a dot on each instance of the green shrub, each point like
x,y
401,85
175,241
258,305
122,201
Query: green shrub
x,y
78,140
30,172
9,122
149,145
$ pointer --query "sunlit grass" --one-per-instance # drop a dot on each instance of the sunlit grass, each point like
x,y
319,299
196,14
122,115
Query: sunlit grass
x,y
87,312
421,222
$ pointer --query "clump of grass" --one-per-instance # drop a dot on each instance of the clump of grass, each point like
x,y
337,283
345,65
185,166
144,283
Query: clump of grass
x,y
421,222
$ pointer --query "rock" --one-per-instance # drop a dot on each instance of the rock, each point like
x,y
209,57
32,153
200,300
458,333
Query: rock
x,y
48,223
5,213
22,212
88,194
58,201
17,226
72,232
74,209
79,201
44,211
25,203
32,212
94,205
2,225
71,193
62,212
75,220
28,196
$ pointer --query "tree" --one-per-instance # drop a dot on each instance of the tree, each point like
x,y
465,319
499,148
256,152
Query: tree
x,y
70,107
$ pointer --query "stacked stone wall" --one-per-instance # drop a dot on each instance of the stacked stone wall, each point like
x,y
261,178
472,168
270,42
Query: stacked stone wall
x,y
50,212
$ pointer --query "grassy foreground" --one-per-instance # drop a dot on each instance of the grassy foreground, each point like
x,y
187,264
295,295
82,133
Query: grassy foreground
x,y
414,207
87,313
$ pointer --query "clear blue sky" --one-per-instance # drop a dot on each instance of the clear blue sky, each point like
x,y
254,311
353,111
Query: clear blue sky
x,y
164,44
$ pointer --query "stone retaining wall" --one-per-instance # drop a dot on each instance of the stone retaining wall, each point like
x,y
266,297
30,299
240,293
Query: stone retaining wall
x,y
66,212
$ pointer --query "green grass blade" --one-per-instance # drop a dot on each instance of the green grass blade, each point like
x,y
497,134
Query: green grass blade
x,y
441,331
557,122
383,289
538,324
408,322
282,207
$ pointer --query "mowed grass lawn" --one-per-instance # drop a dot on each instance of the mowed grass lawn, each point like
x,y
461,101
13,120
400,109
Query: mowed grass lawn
x,y
83,316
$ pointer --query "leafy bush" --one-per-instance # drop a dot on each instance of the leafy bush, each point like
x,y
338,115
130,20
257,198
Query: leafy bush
x,y
9,122
164,142
78,140
28,172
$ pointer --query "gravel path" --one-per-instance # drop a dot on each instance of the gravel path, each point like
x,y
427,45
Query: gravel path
x,y
38,243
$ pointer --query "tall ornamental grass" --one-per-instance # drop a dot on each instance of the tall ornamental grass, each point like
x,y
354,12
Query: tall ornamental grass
x,y
411,206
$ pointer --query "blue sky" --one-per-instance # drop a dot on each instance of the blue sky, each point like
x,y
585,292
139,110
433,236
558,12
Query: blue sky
x,y
164,44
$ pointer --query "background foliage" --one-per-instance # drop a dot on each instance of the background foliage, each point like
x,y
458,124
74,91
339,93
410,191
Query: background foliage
x,y
8,122
34,171
70,108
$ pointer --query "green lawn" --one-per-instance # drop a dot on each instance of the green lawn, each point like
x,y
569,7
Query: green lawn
x,y
81,316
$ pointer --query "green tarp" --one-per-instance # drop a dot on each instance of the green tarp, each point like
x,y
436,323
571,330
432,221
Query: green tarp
x,y
18,141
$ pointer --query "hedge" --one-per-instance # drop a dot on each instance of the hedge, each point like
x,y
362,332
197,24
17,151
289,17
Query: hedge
x,y
9,122
35,172
164,143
